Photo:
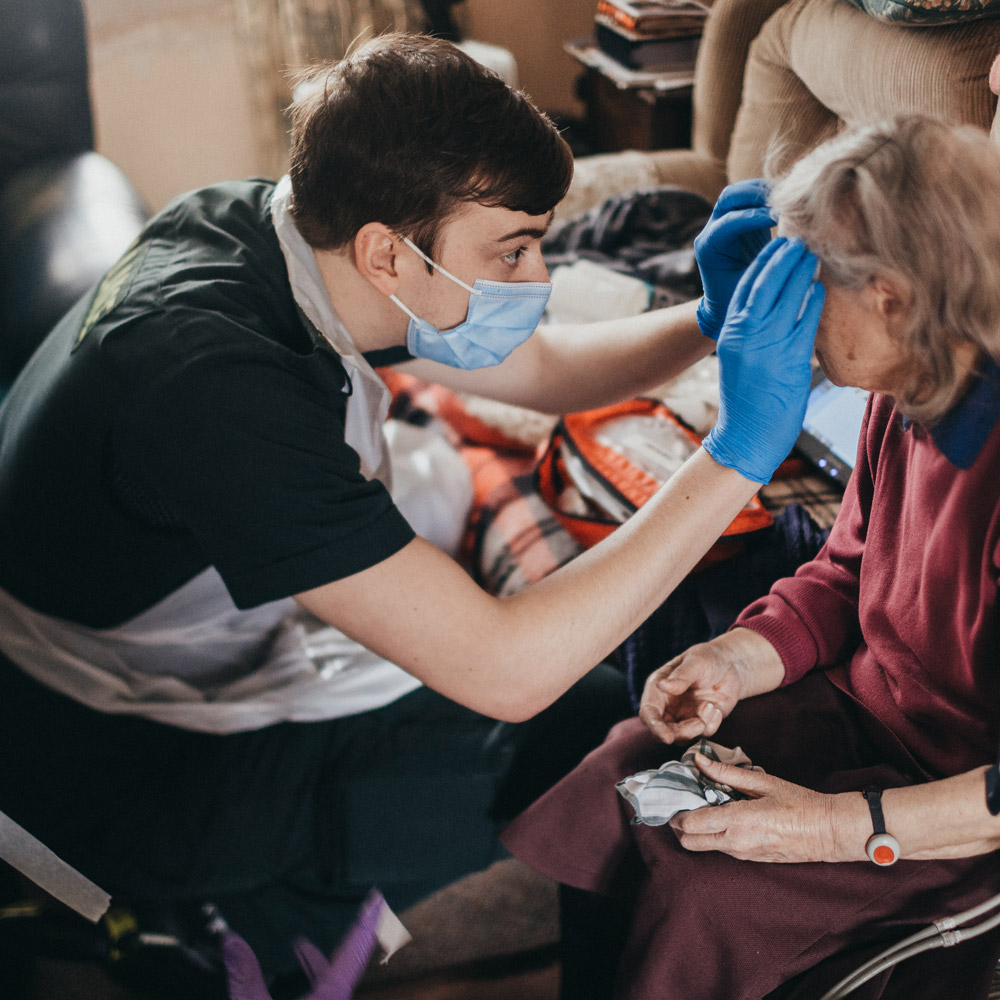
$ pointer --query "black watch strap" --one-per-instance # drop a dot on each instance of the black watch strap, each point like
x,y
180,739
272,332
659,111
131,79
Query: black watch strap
x,y
874,798
993,787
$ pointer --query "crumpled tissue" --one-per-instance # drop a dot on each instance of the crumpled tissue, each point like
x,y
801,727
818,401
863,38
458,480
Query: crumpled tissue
x,y
678,785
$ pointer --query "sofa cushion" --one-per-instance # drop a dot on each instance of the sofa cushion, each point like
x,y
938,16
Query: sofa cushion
x,y
820,64
44,96
929,11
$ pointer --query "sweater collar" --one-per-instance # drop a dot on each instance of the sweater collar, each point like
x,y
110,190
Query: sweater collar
x,y
961,433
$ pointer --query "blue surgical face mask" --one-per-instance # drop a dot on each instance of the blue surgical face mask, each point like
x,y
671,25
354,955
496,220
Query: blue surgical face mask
x,y
502,315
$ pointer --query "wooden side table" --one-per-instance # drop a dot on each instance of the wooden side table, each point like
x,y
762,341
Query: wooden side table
x,y
630,110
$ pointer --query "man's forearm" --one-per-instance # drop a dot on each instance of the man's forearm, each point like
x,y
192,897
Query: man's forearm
x,y
564,369
602,363
512,657
609,589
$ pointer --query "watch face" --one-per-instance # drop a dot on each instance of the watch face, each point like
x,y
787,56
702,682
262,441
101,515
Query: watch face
x,y
883,849
883,855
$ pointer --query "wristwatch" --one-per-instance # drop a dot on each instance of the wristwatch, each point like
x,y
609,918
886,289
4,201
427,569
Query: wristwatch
x,y
993,788
882,847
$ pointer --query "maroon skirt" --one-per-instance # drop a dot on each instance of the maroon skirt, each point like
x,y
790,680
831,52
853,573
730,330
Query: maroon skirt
x,y
706,926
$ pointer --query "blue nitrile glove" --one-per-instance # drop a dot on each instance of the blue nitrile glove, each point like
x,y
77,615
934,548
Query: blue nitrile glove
x,y
764,351
737,231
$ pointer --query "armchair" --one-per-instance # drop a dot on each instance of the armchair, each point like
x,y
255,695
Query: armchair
x,y
66,212
782,75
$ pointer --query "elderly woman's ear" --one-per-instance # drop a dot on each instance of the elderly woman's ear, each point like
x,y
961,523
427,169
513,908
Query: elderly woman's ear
x,y
891,298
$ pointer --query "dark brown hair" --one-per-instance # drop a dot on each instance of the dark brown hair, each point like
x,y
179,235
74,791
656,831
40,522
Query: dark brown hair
x,y
405,129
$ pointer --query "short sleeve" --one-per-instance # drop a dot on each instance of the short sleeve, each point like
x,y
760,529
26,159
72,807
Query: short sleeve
x,y
248,455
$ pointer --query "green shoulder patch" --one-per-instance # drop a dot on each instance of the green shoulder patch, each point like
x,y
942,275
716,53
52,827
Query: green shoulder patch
x,y
112,289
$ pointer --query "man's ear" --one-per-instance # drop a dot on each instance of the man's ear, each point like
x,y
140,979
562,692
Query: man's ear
x,y
375,247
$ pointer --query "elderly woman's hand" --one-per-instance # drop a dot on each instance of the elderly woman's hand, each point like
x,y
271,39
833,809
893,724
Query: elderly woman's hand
x,y
780,822
690,696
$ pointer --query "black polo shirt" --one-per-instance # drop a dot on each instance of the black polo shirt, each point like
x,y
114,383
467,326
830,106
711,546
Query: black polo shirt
x,y
183,416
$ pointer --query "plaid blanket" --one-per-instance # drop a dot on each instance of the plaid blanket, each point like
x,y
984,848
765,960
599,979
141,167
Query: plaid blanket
x,y
512,538
797,483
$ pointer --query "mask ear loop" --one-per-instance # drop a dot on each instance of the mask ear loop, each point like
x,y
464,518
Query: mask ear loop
x,y
409,312
447,274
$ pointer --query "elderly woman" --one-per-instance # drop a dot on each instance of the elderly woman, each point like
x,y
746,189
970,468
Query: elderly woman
x,y
873,672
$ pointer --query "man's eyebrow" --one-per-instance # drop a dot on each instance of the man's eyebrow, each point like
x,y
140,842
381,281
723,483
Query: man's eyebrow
x,y
529,232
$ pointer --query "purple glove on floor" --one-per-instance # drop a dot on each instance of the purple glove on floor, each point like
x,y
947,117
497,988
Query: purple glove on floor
x,y
331,979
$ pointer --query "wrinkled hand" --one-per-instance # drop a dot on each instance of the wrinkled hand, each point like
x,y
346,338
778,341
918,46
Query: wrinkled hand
x,y
690,696
764,351
780,822
739,228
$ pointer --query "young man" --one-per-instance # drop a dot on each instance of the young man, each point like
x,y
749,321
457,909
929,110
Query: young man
x,y
195,455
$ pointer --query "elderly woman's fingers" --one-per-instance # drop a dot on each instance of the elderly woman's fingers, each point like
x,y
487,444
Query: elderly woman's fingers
x,y
652,717
780,822
750,782
691,695
712,716
668,727
700,822
691,670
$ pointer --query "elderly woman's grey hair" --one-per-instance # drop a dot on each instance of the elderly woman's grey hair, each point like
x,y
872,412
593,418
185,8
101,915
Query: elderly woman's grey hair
x,y
916,202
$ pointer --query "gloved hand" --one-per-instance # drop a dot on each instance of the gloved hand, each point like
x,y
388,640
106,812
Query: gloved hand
x,y
764,351
737,231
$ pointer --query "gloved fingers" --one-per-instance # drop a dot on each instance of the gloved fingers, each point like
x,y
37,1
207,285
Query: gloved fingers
x,y
795,343
314,963
741,296
244,976
765,346
742,194
792,298
743,234
733,229
804,334
781,282
720,232
812,308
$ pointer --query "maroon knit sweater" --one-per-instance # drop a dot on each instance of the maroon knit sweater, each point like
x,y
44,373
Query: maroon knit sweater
x,y
901,604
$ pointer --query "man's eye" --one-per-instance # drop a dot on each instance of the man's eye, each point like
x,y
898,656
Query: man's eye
x,y
514,256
